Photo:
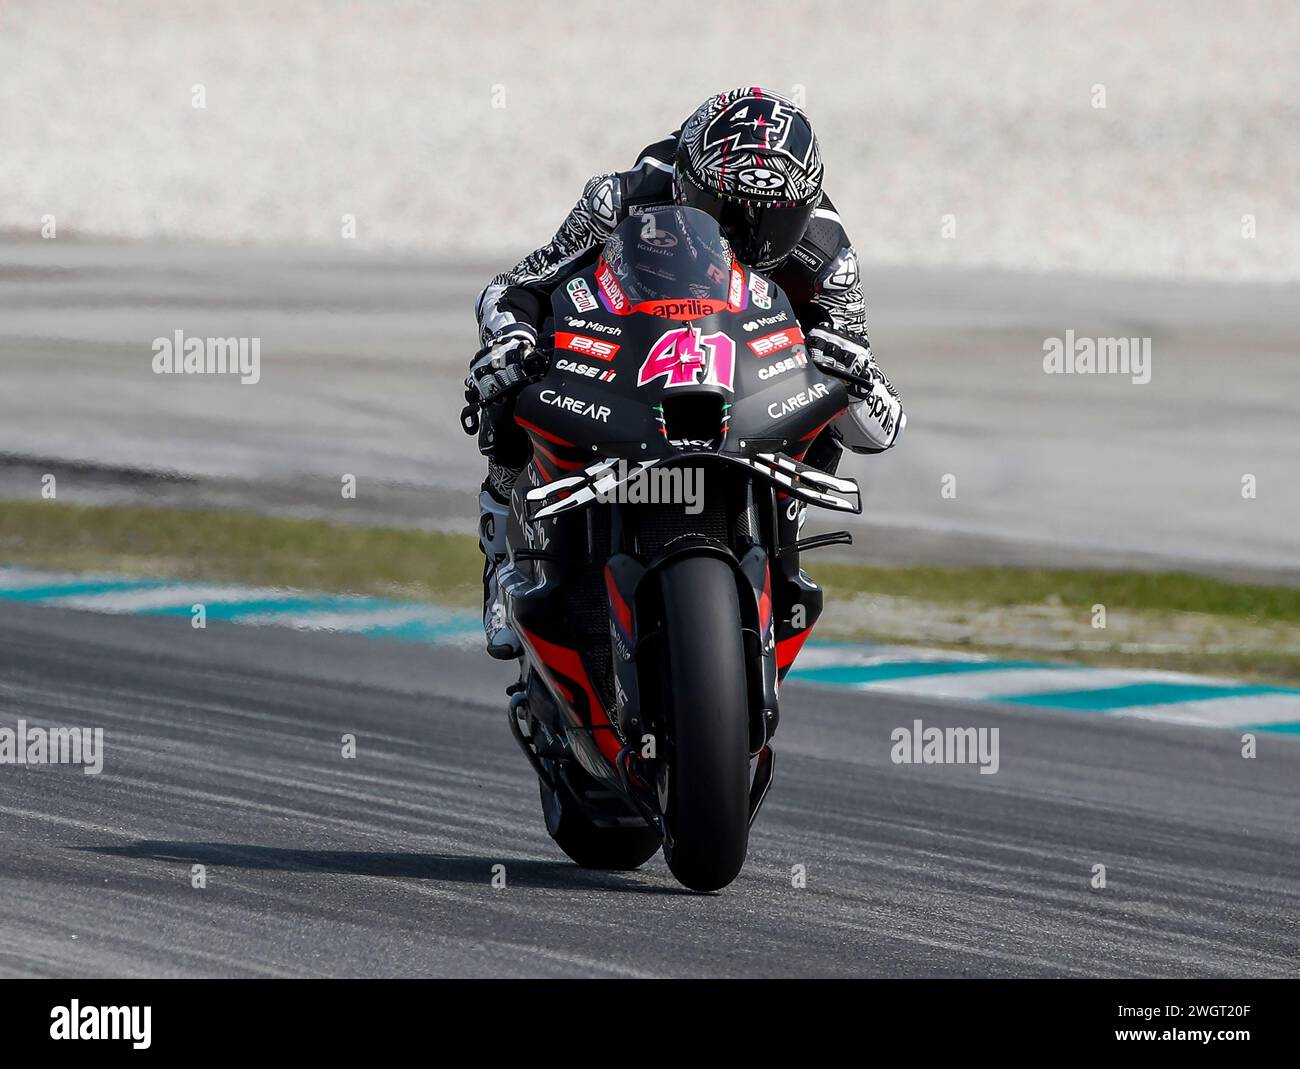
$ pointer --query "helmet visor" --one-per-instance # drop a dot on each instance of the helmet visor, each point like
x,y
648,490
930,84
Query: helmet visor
x,y
762,235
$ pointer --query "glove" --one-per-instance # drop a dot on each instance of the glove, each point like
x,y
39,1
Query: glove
x,y
834,352
875,416
503,367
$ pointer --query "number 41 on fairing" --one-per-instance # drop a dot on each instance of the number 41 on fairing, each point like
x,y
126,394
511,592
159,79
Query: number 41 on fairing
x,y
681,355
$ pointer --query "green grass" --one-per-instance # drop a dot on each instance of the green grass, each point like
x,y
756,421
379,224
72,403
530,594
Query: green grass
x,y
429,566
1132,591
242,548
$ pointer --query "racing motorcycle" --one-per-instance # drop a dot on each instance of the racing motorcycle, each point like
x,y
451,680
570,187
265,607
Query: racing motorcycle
x,y
656,634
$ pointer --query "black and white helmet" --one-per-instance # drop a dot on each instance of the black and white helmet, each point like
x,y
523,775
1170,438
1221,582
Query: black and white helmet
x,y
750,159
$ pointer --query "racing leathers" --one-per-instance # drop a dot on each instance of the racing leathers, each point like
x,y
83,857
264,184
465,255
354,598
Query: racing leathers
x,y
820,277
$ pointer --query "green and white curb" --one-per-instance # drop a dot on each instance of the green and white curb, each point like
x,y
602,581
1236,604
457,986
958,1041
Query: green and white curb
x,y
373,617
1169,697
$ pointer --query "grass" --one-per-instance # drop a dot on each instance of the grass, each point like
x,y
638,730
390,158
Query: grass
x,y
241,548
446,568
1134,591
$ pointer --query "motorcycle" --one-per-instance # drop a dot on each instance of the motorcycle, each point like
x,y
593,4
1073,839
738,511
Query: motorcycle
x,y
656,636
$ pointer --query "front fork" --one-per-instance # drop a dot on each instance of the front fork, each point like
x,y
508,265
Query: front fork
x,y
780,605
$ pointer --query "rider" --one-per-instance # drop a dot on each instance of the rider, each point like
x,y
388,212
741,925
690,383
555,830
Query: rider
x,y
750,159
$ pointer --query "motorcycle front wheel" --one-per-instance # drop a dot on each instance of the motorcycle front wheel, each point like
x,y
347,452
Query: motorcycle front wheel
x,y
707,810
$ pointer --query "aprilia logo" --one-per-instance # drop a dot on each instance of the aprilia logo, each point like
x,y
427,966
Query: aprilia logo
x,y
688,309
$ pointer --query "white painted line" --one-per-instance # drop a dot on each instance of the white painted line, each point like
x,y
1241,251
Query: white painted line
x,y
979,686
1221,712
349,620
813,656
162,598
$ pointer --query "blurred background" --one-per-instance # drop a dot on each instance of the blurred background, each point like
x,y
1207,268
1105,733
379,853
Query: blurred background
x,y
340,179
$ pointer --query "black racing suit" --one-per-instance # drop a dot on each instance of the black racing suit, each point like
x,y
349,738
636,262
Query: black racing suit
x,y
820,277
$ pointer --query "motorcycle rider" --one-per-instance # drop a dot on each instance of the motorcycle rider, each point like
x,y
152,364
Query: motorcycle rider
x,y
750,159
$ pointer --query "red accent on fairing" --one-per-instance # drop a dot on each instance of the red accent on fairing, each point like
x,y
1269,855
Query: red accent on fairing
x,y
622,610
563,465
810,436
534,429
610,288
813,434
765,602
737,291
558,659
788,649
541,468
680,309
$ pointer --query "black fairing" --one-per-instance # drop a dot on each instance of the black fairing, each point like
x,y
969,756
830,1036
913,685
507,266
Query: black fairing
x,y
727,373
777,401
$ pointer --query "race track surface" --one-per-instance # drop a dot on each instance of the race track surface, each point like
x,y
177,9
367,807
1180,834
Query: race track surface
x,y
223,749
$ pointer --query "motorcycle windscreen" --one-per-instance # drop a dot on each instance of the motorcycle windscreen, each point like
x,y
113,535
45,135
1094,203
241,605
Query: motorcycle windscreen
x,y
670,262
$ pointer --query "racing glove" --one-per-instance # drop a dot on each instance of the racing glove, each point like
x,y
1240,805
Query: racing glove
x,y
506,364
875,417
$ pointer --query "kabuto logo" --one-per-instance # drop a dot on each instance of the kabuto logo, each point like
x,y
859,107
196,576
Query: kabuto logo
x,y
658,239
581,296
761,178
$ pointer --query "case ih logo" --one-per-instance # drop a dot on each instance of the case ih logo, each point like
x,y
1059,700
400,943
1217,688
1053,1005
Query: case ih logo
x,y
580,343
774,343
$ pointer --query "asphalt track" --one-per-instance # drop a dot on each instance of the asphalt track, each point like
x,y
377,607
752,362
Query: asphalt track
x,y
223,748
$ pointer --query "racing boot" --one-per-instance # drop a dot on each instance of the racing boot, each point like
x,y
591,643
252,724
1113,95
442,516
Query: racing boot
x,y
502,642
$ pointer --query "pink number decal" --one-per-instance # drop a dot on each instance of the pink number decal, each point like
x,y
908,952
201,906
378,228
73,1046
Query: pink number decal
x,y
680,355
722,366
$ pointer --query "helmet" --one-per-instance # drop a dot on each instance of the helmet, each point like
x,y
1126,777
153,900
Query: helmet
x,y
750,159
